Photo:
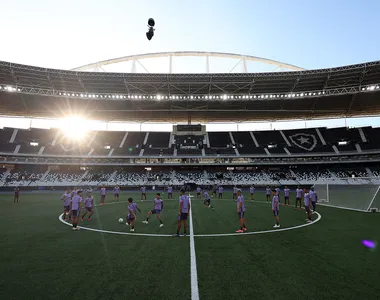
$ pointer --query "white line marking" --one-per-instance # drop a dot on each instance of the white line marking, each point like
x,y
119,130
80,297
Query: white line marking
x,y
193,260
264,231
195,235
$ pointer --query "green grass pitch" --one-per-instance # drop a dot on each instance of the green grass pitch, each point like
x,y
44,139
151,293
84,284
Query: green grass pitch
x,y
42,258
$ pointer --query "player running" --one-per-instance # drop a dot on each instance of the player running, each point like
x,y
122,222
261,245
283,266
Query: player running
x,y
131,217
102,194
16,194
158,207
207,200
298,196
314,198
183,212
307,202
170,192
75,207
143,193
240,211
116,193
276,208
252,192
88,206
267,192
286,196
234,193
66,197
199,190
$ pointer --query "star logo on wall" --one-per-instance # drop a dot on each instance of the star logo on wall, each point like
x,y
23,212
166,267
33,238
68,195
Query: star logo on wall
x,y
304,141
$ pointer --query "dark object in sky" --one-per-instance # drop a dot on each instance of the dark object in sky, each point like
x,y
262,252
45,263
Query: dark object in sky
x,y
150,32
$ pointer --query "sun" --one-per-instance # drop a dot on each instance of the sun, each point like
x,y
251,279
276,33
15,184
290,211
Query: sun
x,y
75,128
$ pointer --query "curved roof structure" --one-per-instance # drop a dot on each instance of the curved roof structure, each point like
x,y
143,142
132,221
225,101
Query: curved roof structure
x,y
41,92
242,58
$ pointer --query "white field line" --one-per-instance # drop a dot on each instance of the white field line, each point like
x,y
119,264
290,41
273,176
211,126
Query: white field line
x,y
193,261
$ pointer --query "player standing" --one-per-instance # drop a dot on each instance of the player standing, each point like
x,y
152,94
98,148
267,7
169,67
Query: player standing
x,y
276,208
88,206
234,194
267,192
102,194
252,192
131,217
75,207
286,196
199,192
314,198
240,211
16,194
220,192
170,192
143,193
158,207
116,192
298,196
307,202
66,197
183,212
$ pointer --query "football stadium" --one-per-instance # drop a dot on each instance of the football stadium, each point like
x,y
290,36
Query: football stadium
x,y
156,182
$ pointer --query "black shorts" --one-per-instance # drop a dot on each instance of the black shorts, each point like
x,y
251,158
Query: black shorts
x,y
66,207
116,195
75,213
207,201
307,208
241,214
156,211
89,209
276,212
183,217
143,194
286,197
198,194
170,194
298,199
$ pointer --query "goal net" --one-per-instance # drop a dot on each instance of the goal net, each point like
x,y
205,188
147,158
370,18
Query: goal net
x,y
352,193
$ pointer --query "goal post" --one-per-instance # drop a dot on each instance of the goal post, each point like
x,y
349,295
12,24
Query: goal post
x,y
351,194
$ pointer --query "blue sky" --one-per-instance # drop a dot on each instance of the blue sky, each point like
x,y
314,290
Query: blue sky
x,y
307,33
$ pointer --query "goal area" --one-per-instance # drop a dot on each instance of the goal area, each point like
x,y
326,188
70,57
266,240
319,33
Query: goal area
x,y
360,194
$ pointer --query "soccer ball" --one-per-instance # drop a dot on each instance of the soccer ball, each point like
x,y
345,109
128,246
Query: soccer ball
x,y
121,220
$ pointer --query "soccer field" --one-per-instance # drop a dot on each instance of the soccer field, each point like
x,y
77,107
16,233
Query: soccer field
x,y
42,258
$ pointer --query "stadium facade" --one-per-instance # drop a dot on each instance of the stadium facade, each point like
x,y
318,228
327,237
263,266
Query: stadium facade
x,y
42,157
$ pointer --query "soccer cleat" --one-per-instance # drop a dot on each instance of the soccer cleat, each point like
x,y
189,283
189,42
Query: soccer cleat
x,y
185,234
132,230
74,228
276,226
239,231
176,234
81,219
127,224
88,219
308,221
244,229
161,225
145,222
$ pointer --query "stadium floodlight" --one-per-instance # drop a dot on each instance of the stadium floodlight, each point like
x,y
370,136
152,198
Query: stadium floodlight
x,y
302,94
224,97
150,32
377,87
371,87
158,97
342,143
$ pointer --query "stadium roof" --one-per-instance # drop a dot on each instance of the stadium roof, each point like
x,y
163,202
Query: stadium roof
x,y
336,92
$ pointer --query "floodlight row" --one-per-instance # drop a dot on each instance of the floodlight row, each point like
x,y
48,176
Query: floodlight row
x,y
9,88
